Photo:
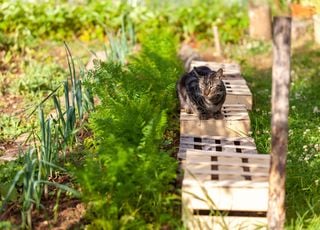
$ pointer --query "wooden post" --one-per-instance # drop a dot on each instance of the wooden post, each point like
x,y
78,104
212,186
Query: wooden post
x,y
217,44
280,110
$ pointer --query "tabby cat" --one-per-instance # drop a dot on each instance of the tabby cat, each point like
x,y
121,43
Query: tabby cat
x,y
202,92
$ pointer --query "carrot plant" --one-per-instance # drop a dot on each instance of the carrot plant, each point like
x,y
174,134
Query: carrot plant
x,y
127,179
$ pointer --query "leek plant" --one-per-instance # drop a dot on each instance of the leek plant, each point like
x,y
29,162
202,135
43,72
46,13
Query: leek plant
x,y
57,136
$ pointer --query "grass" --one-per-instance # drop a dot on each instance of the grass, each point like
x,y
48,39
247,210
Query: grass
x,y
303,164
303,168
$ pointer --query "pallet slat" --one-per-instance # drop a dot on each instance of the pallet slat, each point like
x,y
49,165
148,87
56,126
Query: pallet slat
x,y
193,152
205,197
235,123
238,92
218,143
230,70
225,222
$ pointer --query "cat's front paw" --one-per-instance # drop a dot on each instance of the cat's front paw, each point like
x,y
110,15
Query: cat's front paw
x,y
218,116
204,116
188,111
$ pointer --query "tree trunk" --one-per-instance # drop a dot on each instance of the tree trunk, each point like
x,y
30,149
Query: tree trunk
x,y
280,110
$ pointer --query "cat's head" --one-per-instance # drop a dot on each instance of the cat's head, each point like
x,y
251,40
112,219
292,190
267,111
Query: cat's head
x,y
211,82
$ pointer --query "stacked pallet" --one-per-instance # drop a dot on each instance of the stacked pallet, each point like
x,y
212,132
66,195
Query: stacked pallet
x,y
225,183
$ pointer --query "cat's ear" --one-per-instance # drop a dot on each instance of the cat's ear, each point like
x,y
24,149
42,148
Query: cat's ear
x,y
219,74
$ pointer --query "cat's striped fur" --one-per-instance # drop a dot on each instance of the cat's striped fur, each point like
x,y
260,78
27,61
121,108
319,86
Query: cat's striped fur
x,y
202,92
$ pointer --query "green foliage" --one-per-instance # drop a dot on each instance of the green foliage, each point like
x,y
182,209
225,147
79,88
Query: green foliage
x,y
304,143
195,19
27,21
8,171
55,20
5,225
9,127
31,181
133,190
5,41
260,116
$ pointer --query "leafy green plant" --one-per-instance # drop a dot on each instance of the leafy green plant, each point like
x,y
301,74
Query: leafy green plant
x,y
9,127
57,20
193,19
5,225
135,175
8,171
39,78
27,22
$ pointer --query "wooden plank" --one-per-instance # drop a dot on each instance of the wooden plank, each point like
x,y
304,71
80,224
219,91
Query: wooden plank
x,y
200,189
199,164
228,171
224,222
225,181
236,83
206,197
234,123
238,92
237,98
240,82
230,70
209,146
228,183
265,157
214,165
216,65
234,141
217,143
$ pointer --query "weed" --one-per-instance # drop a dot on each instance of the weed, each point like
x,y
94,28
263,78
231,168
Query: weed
x,y
10,128
39,79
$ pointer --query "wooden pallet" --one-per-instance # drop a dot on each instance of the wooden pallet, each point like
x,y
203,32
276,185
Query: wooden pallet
x,y
217,143
231,71
234,185
235,123
238,92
